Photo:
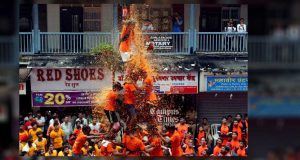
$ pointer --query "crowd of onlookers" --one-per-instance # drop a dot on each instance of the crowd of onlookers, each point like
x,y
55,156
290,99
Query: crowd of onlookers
x,y
50,134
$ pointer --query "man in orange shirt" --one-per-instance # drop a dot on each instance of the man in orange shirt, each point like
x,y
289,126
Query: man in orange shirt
x,y
182,128
149,90
81,139
133,145
225,152
236,128
40,142
189,150
241,151
127,37
202,147
201,134
23,135
56,136
129,101
32,132
111,102
106,147
224,131
235,143
218,147
155,142
175,141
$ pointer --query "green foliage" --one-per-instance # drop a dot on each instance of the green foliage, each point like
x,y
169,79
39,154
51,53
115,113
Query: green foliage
x,y
107,56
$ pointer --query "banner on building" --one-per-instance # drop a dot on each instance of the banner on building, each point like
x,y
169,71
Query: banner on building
x,y
70,79
226,83
171,83
22,88
159,42
63,99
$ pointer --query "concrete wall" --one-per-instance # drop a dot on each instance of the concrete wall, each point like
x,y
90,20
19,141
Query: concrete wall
x,y
244,12
106,17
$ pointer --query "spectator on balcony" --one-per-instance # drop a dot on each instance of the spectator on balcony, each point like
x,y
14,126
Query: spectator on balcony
x,y
229,37
177,22
147,26
241,28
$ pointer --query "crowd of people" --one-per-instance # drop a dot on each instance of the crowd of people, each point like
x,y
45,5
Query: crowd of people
x,y
53,135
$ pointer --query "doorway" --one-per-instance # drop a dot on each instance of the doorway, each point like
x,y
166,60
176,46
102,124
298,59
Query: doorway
x,y
71,20
210,19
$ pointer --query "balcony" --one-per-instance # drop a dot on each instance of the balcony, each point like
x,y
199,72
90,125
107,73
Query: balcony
x,y
269,53
182,43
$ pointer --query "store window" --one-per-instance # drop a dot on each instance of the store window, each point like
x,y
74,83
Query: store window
x,y
92,19
230,13
159,17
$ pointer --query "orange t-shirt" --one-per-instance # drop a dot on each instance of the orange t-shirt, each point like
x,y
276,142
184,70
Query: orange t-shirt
x,y
239,131
241,152
79,143
201,149
41,144
235,144
134,145
182,129
111,101
107,151
125,138
175,144
129,97
97,150
57,137
156,142
224,130
125,45
77,131
23,136
33,133
201,135
151,96
217,150
189,150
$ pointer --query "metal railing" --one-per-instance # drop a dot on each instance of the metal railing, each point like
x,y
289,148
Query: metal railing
x,y
273,51
163,42
59,42
26,42
221,42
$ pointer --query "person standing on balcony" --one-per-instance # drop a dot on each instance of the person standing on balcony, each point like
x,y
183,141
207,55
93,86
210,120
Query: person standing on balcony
x,y
241,28
230,37
177,23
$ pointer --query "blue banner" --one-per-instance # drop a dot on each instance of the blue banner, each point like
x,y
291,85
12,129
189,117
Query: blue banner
x,y
272,107
227,84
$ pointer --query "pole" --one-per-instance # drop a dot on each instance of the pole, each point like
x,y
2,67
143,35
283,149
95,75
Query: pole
x,y
35,19
192,28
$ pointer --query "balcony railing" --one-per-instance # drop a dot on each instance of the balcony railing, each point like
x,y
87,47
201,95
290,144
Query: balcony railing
x,y
222,42
273,52
178,42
